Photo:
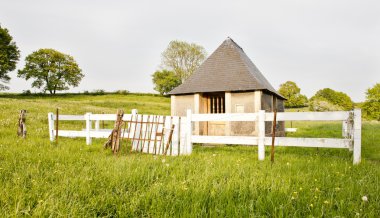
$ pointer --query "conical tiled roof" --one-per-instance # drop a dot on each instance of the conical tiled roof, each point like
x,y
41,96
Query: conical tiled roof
x,y
227,69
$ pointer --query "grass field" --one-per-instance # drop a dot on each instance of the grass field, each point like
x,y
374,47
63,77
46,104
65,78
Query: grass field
x,y
39,178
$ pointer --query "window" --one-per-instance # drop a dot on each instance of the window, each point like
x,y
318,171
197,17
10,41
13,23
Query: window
x,y
216,103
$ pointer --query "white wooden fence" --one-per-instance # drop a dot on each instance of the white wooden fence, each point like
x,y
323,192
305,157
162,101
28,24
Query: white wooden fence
x,y
351,130
183,137
142,131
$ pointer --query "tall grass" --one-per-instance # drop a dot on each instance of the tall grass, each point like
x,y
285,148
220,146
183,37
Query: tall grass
x,y
40,178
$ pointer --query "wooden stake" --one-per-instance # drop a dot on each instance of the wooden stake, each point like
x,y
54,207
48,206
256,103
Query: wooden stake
x,y
155,136
150,132
146,131
129,126
21,131
273,136
169,139
56,127
134,132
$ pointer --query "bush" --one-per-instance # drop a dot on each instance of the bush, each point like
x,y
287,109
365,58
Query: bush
x,y
371,107
98,92
323,105
339,99
26,92
122,92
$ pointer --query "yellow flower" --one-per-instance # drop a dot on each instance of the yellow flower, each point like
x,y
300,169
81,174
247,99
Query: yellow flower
x,y
326,202
311,205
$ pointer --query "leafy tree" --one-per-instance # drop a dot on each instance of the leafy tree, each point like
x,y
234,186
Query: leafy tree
x,y
165,81
371,107
292,93
9,55
51,70
333,97
183,58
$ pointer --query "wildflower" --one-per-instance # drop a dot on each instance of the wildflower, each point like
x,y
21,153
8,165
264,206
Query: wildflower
x,y
213,155
167,165
326,202
311,205
365,198
300,188
287,163
163,160
315,180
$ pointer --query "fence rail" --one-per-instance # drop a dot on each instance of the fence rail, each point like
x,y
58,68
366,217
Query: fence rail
x,y
351,130
184,137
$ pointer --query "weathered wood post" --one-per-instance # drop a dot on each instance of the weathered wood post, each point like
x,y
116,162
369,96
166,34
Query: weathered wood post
x,y
51,126
21,130
56,126
189,132
87,117
357,135
261,135
273,135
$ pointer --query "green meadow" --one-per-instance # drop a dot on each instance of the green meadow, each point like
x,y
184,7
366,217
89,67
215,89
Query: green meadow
x,y
71,179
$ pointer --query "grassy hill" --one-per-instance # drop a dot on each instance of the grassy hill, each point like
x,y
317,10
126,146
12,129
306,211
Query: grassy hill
x,y
40,178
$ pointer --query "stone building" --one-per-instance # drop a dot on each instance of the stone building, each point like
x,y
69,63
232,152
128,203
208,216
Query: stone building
x,y
227,82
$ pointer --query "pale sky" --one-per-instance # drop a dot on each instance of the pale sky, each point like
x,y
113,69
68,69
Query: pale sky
x,y
118,44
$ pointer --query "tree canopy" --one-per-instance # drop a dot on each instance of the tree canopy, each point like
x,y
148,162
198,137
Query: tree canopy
x,y
292,93
371,107
164,81
51,70
334,98
183,58
9,55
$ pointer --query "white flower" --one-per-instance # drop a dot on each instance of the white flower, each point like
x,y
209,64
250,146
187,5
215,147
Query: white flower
x,y
167,165
163,160
365,198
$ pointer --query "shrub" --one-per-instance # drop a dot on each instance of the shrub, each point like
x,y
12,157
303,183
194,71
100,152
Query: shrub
x,y
323,105
371,107
98,92
122,92
333,97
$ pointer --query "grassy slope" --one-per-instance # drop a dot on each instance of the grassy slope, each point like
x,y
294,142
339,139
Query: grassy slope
x,y
72,179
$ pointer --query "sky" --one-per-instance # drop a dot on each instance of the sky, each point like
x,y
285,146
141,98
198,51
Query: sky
x,y
118,43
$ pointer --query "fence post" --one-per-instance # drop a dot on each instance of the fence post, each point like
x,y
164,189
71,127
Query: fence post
x,y
51,126
87,117
189,132
357,135
261,135
97,125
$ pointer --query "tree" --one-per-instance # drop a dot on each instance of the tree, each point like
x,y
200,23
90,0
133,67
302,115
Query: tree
x,y
9,55
292,93
183,58
51,70
165,81
371,107
333,97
